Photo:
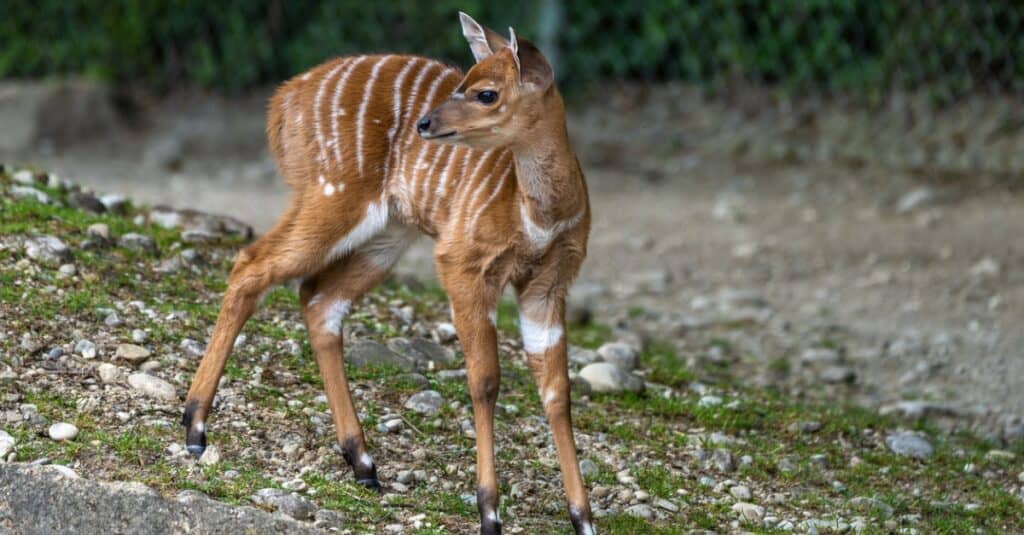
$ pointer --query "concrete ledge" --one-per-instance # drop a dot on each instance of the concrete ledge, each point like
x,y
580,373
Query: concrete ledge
x,y
39,500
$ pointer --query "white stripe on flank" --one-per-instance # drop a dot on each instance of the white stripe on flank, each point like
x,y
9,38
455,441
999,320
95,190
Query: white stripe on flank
x,y
427,104
444,155
541,237
473,199
334,314
360,117
374,221
497,188
317,100
396,118
403,155
335,110
538,338
465,187
439,192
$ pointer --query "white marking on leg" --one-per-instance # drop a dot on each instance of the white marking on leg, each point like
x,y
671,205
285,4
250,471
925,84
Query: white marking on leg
x,y
492,515
365,460
538,338
334,314
374,221
335,110
493,316
201,427
549,397
315,299
586,528
361,116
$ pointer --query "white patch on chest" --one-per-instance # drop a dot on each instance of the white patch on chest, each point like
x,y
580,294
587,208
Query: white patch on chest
x,y
334,314
541,237
538,338
374,221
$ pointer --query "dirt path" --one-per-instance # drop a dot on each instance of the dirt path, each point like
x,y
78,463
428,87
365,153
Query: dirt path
x,y
903,298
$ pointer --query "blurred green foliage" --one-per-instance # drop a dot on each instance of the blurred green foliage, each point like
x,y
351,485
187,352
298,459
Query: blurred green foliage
x,y
949,46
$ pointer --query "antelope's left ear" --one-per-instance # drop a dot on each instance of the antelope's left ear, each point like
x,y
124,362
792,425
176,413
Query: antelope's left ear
x,y
482,41
535,73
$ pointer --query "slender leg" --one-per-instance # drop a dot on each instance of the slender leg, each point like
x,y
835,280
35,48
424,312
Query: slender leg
x,y
542,322
326,300
255,270
473,306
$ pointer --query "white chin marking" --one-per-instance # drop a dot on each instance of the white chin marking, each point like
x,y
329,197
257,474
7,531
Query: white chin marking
x,y
334,314
538,338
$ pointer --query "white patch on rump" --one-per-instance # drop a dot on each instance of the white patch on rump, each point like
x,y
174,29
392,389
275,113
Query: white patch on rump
x,y
334,314
538,338
374,221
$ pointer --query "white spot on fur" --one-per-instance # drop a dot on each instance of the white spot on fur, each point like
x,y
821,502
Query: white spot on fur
x,y
334,314
493,316
374,221
541,237
503,108
328,189
306,76
550,395
586,528
365,459
315,299
201,427
538,338
492,515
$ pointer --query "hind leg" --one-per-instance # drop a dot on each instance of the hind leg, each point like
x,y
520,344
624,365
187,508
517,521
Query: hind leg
x,y
301,243
326,299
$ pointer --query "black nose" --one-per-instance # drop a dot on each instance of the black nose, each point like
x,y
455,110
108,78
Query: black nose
x,y
423,125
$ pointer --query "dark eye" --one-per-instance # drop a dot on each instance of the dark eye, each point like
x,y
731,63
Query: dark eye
x,y
487,97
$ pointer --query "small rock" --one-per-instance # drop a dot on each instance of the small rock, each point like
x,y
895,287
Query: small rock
x,y
619,354
192,348
741,493
838,374
640,510
581,356
367,352
24,177
153,387
7,443
63,431
588,468
427,402
723,461
210,456
26,192
108,373
985,268
137,242
64,471
607,377
909,444
662,503
67,270
87,202
392,425
1000,455
820,355
47,250
132,353
445,332
426,353
114,203
709,401
452,375
914,199
871,505
290,504
139,336
85,348
404,477
99,230
749,512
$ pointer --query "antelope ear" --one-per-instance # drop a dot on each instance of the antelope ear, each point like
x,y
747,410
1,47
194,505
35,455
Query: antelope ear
x,y
535,73
482,41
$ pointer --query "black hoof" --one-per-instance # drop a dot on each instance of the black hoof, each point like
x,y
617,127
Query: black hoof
x,y
372,484
196,450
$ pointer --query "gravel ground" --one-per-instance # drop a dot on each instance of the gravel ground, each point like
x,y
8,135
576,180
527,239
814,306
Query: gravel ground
x,y
106,312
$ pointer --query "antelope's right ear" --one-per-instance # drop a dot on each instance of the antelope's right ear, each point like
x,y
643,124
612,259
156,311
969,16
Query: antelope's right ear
x,y
482,41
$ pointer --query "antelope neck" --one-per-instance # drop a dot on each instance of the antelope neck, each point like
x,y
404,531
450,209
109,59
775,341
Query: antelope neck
x,y
548,175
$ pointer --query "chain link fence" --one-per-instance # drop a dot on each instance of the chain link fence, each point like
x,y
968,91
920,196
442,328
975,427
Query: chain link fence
x,y
865,47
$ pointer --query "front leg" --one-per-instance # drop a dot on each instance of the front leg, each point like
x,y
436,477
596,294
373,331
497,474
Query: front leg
x,y
542,322
472,308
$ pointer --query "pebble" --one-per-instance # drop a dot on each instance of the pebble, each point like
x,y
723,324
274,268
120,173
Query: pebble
x,y
112,320
139,336
25,192
838,374
192,348
392,425
152,386
85,348
867,504
48,250
820,355
709,401
290,504
445,332
619,354
108,373
64,471
662,503
99,230
132,353
137,242
1000,455
915,198
606,377
741,493
404,476
640,510
6,445
211,455
749,512
588,468
63,431
427,402
909,444
452,375
723,461
67,270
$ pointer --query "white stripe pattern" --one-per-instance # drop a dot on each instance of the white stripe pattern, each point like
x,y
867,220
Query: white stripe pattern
x,y
368,92
396,118
317,123
497,189
336,111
